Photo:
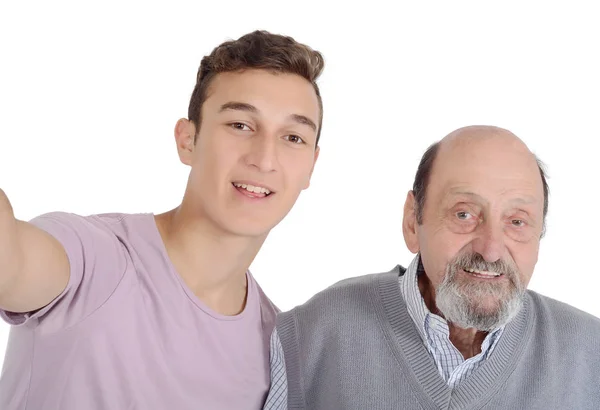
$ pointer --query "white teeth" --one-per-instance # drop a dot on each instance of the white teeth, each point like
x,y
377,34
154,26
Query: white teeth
x,y
252,188
482,273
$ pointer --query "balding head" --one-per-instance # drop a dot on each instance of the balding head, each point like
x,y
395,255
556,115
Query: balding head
x,y
482,141
474,133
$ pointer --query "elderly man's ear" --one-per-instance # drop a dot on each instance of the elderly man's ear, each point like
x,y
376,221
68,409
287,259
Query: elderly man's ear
x,y
409,223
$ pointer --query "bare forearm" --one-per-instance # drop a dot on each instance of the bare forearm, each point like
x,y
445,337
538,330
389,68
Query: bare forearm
x,y
34,268
11,255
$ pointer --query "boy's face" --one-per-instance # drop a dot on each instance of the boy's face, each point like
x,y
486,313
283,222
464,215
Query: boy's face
x,y
255,150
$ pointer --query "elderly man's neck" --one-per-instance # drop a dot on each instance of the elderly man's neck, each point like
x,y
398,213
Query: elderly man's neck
x,y
467,341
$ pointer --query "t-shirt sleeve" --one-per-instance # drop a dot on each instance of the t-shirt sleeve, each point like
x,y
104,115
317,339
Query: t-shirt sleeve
x,y
97,263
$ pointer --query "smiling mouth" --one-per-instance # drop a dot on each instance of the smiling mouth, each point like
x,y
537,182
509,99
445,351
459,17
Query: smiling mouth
x,y
252,190
482,273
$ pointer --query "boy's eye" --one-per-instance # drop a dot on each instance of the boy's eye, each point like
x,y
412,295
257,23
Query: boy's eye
x,y
294,138
240,126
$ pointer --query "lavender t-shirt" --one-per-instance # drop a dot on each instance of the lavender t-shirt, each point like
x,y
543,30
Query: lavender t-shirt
x,y
127,333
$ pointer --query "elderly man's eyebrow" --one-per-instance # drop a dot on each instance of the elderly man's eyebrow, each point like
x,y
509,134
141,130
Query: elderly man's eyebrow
x,y
521,200
524,200
461,191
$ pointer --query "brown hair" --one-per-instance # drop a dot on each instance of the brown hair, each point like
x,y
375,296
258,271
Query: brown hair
x,y
257,50
424,173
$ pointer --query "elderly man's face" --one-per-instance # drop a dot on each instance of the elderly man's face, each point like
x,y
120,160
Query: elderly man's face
x,y
481,227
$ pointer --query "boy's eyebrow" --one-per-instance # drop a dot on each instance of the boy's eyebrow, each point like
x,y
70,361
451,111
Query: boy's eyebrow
x,y
241,106
302,119
238,106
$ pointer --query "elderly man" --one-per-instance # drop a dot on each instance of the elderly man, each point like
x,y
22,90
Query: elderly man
x,y
458,328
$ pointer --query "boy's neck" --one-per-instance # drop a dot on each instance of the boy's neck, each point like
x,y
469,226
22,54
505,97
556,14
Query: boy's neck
x,y
212,263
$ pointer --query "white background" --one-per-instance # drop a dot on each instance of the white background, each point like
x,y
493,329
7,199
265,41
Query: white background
x,y
89,95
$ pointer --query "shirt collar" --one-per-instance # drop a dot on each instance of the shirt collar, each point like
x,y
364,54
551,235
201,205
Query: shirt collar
x,y
412,296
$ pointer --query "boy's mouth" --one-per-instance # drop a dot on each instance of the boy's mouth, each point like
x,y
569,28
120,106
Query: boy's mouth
x,y
253,191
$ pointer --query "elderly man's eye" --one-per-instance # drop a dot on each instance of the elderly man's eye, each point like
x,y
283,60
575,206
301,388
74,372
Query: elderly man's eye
x,y
463,215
